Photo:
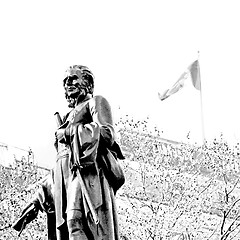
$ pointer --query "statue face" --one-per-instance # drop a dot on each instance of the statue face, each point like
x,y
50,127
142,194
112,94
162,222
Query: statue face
x,y
72,85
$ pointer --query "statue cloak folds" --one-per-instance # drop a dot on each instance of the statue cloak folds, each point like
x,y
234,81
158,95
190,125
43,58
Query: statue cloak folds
x,y
88,140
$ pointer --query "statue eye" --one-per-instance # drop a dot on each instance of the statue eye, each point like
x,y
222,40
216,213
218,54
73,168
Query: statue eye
x,y
70,79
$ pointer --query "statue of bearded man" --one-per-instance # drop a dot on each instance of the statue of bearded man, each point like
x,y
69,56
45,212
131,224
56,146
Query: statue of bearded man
x,y
80,190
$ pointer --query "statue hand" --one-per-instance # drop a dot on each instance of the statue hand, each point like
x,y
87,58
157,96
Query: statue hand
x,y
60,135
63,135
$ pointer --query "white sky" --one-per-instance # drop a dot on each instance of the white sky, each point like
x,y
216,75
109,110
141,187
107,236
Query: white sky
x,y
135,49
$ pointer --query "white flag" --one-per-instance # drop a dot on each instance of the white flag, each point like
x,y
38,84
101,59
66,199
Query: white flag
x,y
193,71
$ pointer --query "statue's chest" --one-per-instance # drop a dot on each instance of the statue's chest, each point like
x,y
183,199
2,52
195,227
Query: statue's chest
x,y
80,114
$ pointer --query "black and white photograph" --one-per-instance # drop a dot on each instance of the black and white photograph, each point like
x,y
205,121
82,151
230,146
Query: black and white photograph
x,y
119,120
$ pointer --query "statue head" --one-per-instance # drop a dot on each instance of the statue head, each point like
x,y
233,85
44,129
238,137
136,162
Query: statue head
x,y
78,83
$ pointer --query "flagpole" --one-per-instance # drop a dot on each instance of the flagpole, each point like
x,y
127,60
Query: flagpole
x,y
201,101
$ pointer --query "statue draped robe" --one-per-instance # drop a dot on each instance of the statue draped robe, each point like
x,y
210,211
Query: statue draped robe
x,y
88,132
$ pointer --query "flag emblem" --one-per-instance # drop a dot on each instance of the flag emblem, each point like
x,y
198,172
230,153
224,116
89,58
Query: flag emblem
x,y
192,71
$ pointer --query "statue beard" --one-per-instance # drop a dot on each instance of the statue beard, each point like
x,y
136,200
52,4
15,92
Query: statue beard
x,y
76,97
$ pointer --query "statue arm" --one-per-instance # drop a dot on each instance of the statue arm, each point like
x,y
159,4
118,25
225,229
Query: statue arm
x,y
102,115
28,214
42,201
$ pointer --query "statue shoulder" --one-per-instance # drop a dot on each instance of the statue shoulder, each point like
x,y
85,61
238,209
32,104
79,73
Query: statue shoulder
x,y
100,110
99,101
